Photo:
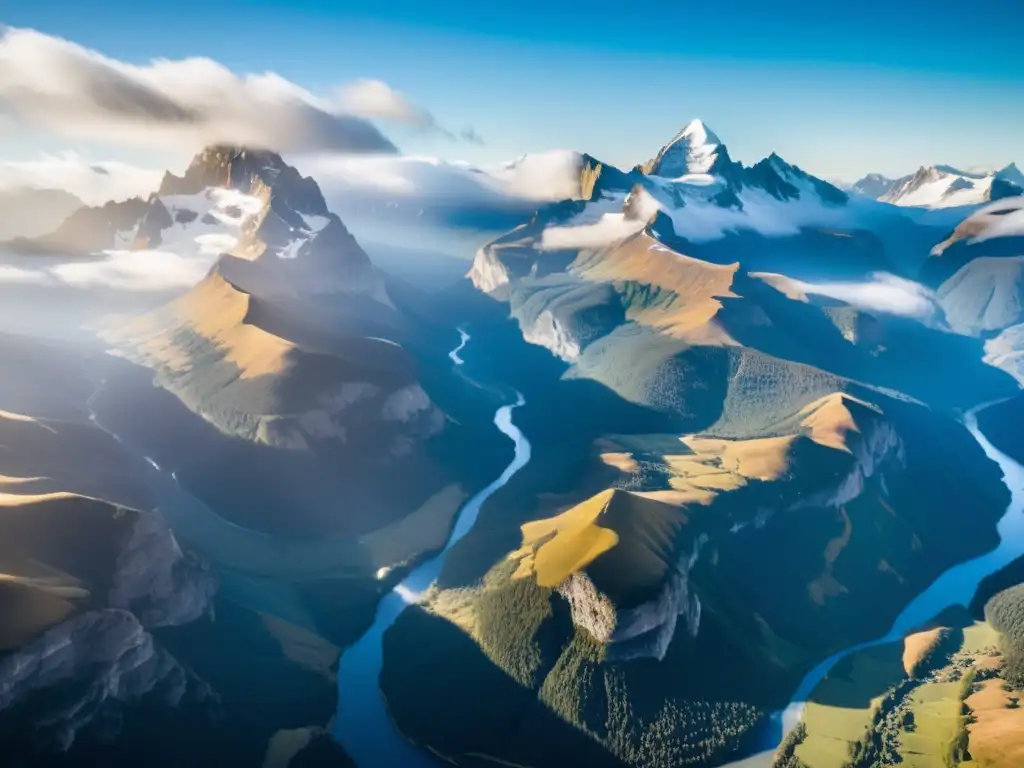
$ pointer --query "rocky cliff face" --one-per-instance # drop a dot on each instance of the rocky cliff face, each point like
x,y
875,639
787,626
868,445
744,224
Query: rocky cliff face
x,y
488,273
108,658
247,170
641,631
158,582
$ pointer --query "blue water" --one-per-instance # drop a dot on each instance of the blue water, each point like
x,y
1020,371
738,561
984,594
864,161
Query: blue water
x,y
454,354
371,738
362,724
955,586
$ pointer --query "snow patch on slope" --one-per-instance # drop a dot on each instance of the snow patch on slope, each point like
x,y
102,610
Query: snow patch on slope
x,y
940,187
204,225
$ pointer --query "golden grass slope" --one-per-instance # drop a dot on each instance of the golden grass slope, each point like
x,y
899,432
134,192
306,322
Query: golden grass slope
x,y
696,287
930,714
841,709
830,420
997,734
215,311
701,467
918,647
626,543
555,548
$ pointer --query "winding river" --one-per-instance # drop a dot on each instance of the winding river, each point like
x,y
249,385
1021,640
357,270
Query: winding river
x,y
363,725
956,586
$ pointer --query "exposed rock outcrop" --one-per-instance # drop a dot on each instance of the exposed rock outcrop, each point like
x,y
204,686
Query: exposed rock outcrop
x,y
108,658
157,581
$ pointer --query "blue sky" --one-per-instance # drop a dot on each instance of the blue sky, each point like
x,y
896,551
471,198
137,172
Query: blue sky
x,y
840,88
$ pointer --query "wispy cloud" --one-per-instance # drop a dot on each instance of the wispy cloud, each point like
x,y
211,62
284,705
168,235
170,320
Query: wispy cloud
x,y
610,228
543,177
883,293
134,271
93,182
470,135
1004,218
70,90
377,100
21,276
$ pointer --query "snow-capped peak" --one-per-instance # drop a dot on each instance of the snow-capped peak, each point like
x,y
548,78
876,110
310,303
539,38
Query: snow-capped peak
x,y
699,134
693,150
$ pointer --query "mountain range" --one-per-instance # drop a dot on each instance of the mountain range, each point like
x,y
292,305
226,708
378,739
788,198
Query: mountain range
x,y
744,392
767,500
942,186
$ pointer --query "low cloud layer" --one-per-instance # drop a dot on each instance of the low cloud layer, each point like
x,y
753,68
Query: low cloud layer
x,y
135,271
883,293
93,182
1004,218
544,177
70,90
610,228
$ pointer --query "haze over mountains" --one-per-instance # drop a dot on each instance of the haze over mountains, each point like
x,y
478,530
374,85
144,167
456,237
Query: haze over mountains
x,y
743,387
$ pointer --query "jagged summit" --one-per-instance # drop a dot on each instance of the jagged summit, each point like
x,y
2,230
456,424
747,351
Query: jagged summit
x,y
698,133
694,150
247,170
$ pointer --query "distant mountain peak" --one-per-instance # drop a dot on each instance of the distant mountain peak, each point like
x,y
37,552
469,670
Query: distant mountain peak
x,y
695,149
1012,174
943,186
245,169
699,133
874,185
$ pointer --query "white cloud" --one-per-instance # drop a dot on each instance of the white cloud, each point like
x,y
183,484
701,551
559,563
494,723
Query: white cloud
x,y
377,99
141,271
704,221
883,293
187,103
550,178
539,177
552,175
93,182
21,276
611,227
1004,218
134,271
186,252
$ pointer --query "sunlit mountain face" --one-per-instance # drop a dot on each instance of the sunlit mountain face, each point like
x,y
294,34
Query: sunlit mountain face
x,y
511,416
